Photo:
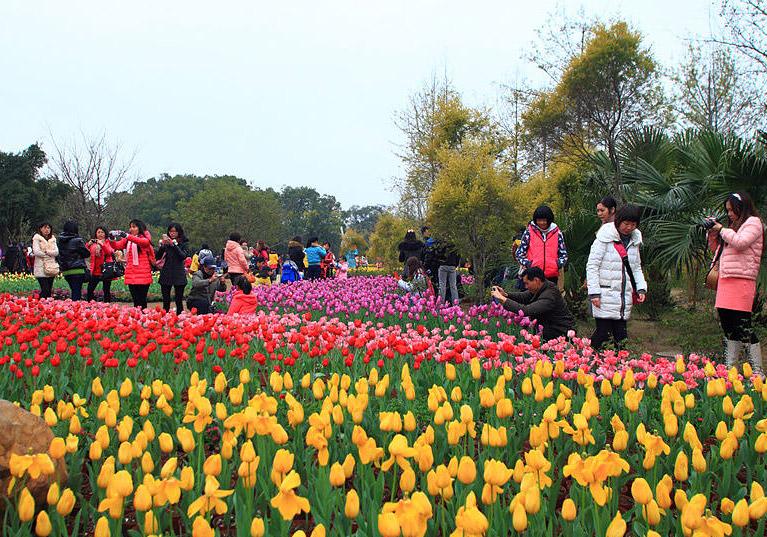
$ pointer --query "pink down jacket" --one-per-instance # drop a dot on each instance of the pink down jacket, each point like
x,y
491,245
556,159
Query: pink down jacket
x,y
742,249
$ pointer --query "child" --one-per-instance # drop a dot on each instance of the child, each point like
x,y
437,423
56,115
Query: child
x,y
243,300
343,268
263,274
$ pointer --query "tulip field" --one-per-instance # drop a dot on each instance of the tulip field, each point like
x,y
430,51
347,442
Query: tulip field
x,y
344,408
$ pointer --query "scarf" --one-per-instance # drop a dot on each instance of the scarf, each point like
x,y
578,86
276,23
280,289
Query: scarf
x,y
132,251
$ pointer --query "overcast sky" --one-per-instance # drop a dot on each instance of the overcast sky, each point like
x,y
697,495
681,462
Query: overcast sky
x,y
297,93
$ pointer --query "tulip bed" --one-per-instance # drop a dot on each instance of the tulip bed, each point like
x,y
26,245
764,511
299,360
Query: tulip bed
x,y
343,408
26,284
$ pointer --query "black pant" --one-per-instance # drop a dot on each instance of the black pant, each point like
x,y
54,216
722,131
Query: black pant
x,y
607,327
76,282
179,289
46,287
737,325
202,305
93,283
313,272
138,294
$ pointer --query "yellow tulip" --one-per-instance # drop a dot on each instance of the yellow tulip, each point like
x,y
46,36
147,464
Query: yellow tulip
x,y
519,518
569,511
43,525
740,516
640,491
142,499
758,508
388,525
212,465
257,525
681,469
352,505
53,494
337,476
186,438
26,506
66,503
617,527
757,491
467,470
102,528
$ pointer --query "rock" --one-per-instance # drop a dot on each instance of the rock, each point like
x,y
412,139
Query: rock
x,y
24,433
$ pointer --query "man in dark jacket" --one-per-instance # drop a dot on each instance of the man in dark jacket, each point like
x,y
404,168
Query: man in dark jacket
x,y
542,302
205,283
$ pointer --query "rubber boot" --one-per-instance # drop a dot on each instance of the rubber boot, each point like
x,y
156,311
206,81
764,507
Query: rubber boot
x,y
734,348
755,357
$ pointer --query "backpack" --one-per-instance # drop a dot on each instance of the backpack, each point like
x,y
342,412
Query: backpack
x,y
289,272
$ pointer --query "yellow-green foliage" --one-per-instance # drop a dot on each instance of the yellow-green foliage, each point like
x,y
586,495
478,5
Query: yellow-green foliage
x,y
388,233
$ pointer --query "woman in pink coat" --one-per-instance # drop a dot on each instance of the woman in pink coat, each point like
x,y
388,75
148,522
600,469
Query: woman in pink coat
x,y
741,253
139,254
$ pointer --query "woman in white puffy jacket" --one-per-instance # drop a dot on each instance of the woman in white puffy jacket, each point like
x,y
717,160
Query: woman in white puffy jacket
x,y
610,285
45,250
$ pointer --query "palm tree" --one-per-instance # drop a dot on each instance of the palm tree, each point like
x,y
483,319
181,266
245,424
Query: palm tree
x,y
679,181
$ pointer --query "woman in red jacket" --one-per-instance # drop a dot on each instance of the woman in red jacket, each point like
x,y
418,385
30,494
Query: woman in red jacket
x,y
137,244
101,252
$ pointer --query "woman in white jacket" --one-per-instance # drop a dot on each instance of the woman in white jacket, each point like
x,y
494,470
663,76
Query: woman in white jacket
x,y
45,250
614,287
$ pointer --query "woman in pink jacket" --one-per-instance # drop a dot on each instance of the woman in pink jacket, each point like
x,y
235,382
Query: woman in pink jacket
x,y
139,254
234,256
741,252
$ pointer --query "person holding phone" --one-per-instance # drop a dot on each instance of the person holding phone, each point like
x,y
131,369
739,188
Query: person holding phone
x,y
101,252
174,250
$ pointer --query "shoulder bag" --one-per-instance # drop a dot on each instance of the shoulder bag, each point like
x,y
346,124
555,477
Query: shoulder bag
x,y
712,276
625,259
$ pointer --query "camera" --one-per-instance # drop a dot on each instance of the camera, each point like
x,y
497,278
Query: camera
x,y
708,223
116,234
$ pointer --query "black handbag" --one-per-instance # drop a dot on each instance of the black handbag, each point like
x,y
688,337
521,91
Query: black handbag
x,y
111,270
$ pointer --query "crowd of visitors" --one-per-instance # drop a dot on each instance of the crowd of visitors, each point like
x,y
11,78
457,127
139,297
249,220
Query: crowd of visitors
x,y
615,280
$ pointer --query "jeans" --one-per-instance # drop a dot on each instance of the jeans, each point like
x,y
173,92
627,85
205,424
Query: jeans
x,y
179,289
46,287
737,325
76,282
313,272
606,327
138,293
93,283
202,305
448,274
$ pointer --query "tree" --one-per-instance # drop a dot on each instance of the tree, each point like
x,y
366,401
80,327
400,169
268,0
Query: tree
x,y
611,87
543,126
471,206
93,169
363,219
352,240
306,212
746,23
25,199
224,207
388,233
713,93
437,119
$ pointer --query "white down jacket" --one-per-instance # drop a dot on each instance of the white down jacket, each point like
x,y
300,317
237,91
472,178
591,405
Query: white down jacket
x,y
606,276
